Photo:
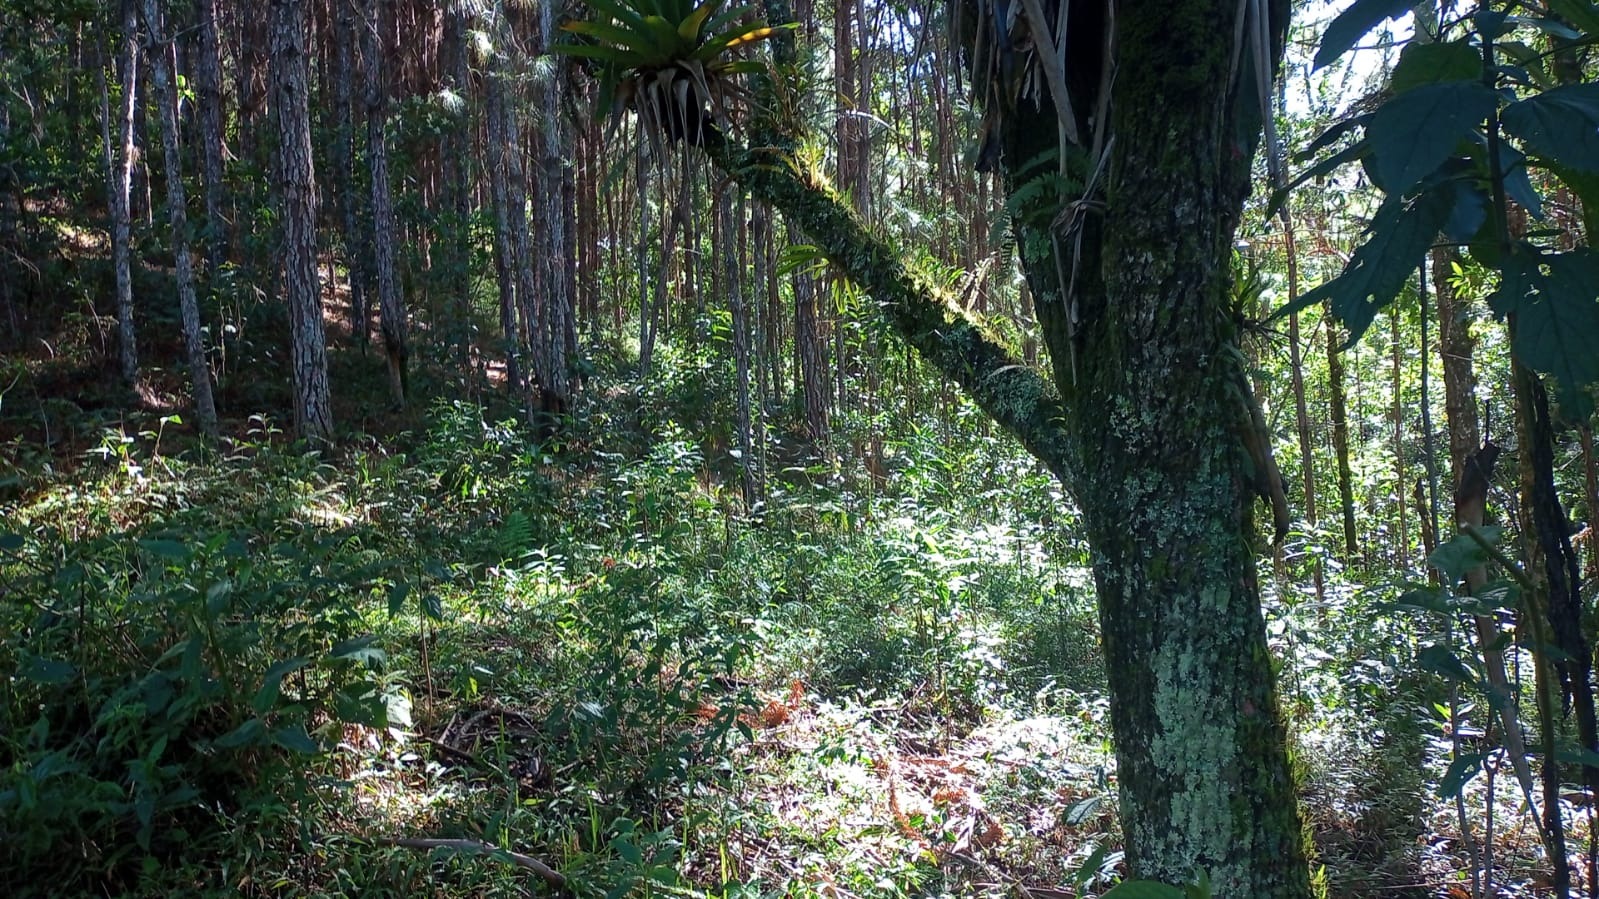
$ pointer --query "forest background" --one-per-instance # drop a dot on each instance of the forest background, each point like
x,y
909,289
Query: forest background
x,y
414,477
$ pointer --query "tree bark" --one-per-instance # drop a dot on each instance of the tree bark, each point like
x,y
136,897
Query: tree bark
x,y
1143,424
1336,400
160,54
556,331
313,411
208,87
119,180
391,311
354,245
1296,362
499,147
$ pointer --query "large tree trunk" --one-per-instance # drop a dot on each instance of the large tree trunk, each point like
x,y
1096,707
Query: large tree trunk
x,y
313,411
355,246
391,312
556,331
1151,437
205,412
208,86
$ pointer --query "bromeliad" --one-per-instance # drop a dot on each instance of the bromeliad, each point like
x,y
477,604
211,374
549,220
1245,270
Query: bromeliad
x,y
671,61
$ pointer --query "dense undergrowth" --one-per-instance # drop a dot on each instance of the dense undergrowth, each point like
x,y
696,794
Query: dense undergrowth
x,y
260,671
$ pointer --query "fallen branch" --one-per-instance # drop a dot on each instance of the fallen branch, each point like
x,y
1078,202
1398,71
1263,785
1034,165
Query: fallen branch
x,y
478,847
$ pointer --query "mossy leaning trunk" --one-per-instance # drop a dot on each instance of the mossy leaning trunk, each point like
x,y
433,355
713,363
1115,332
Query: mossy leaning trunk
x,y
1142,423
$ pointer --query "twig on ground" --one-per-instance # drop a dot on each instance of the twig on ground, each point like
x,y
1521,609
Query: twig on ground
x,y
478,847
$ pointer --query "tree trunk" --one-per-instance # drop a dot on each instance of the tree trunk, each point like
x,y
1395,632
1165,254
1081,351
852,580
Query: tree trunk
x,y
313,411
727,214
1402,549
205,412
1150,438
1562,650
810,351
208,87
391,312
1336,400
355,256
555,328
1296,362
499,147
119,177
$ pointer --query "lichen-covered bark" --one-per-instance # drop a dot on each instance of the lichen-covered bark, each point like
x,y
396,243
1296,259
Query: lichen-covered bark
x,y
1141,423
1200,746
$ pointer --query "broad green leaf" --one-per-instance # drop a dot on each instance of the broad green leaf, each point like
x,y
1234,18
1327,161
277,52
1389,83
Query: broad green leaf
x,y
1461,554
625,13
1426,599
1581,13
248,733
1143,889
1552,27
1555,299
601,52
41,670
433,607
1413,133
398,591
1355,23
1518,184
217,596
1561,125
689,28
1469,213
1080,810
1462,769
1442,661
1578,756
167,549
11,542
1090,865
1421,64
295,739
359,649
1401,232
272,683
645,44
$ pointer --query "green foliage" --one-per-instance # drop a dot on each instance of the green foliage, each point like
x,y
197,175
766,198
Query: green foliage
x,y
1430,147
668,60
157,676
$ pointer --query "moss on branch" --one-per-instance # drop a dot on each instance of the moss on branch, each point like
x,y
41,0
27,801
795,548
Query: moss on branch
x,y
956,343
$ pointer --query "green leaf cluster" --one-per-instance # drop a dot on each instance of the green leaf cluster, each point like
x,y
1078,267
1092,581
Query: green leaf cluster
x,y
1464,126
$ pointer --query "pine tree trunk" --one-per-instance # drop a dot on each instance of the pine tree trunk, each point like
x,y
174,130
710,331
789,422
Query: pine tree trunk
x,y
354,245
457,152
391,311
556,331
504,259
205,412
208,87
119,178
810,362
313,411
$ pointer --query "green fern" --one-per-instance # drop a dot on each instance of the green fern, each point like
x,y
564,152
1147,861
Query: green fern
x,y
514,536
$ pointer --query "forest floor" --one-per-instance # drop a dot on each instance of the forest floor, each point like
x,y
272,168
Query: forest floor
x,y
252,670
